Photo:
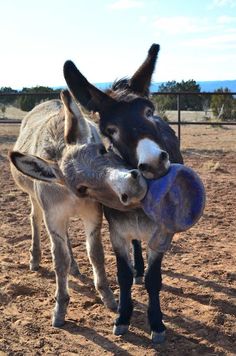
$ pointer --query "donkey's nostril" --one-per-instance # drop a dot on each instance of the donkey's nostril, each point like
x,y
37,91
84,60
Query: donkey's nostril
x,y
164,156
124,198
143,167
134,173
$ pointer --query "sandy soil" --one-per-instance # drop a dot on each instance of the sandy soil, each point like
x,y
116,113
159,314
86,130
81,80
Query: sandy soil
x,y
189,115
199,284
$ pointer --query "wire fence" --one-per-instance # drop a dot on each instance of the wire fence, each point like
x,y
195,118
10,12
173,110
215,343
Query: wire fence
x,y
179,116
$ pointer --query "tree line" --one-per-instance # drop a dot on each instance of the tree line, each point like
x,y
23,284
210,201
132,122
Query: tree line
x,y
222,106
27,102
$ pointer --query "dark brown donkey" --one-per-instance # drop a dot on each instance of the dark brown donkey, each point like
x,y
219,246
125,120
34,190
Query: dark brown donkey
x,y
127,117
146,142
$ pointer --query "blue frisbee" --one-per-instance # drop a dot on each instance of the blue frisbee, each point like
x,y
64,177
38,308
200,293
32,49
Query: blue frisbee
x,y
175,202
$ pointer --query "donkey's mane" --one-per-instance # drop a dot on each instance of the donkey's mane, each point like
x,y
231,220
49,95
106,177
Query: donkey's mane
x,y
121,91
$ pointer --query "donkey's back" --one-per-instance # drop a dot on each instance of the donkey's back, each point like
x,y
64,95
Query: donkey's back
x,y
39,122
43,129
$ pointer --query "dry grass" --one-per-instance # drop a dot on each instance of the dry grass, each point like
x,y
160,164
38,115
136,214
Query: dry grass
x,y
13,113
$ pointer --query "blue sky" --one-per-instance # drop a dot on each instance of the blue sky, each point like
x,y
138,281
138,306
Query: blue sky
x,y
109,39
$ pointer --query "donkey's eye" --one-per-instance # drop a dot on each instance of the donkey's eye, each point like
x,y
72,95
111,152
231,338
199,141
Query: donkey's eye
x,y
111,131
103,150
82,190
149,113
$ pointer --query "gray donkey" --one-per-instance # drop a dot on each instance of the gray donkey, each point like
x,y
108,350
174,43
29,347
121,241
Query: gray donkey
x,y
73,175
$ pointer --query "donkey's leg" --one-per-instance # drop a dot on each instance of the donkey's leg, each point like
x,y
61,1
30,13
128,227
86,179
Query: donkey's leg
x,y
92,217
138,262
36,218
125,279
74,268
153,283
56,226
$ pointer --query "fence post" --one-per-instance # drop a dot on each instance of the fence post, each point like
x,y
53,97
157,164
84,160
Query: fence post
x,y
179,117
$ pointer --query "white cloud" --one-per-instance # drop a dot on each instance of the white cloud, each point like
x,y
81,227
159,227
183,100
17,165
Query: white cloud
x,y
190,25
223,3
181,24
126,4
225,20
143,19
220,42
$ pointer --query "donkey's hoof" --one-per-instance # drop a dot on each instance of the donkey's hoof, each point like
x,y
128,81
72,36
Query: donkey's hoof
x,y
34,267
120,329
110,304
108,299
158,338
138,280
58,322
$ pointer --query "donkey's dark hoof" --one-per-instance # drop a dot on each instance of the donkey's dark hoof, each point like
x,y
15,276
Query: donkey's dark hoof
x,y
58,322
34,267
158,338
120,329
138,280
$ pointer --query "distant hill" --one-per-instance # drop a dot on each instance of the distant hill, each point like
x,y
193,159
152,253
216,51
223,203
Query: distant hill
x,y
205,85
208,86
214,85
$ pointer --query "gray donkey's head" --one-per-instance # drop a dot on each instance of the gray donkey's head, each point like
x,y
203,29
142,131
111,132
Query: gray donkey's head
x,y
86,169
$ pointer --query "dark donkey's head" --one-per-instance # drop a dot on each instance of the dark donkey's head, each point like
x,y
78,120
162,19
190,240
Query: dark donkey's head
x,y
126,115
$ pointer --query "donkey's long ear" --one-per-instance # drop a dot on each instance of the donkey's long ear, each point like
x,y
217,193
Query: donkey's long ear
x,y
36,168
76,129
87,94
140,81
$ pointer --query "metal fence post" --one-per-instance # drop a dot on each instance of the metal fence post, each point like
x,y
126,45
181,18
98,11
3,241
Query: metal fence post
x,y
179,117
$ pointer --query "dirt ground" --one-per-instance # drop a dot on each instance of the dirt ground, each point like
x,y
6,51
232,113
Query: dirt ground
x,y
199,284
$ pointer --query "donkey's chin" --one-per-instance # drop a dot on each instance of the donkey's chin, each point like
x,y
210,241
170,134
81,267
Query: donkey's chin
x,y
122,206
157,173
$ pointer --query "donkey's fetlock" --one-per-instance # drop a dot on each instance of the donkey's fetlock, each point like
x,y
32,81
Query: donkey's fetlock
x,y
35,259
108,299
74,270
34,262
59,312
